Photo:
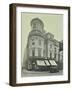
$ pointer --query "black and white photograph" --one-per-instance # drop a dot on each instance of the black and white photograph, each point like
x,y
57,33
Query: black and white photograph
x,y
42,49
39,44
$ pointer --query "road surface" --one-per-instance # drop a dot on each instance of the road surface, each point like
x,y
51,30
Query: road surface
x,y
26,73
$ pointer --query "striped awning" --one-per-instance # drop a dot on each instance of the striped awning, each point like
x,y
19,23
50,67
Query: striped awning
x,y
40,63
52,62
47,62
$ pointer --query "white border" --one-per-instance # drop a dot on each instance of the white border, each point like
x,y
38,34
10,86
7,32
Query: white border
x,y
63,77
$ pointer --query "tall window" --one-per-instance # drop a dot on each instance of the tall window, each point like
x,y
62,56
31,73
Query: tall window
x,y
55,50
50,54
39,42
33,52
39,52
55,53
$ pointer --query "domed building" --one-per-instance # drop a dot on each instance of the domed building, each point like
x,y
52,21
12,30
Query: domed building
x,y
36,45
37,24
36,42
42,49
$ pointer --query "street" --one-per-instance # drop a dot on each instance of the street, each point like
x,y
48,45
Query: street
x,y
26,73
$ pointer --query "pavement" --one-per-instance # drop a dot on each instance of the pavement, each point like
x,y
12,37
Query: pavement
x,y
26,73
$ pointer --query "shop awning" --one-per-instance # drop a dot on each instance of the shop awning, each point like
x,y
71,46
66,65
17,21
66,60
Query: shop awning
x,y
52,62
40,63
47,62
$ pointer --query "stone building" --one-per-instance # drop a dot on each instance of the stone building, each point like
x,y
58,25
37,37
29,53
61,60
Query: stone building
x,y
36,40
41,45
61,55
52,47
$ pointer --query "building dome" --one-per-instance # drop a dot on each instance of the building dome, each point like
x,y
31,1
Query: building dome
x,y
36,33
36,20
37,24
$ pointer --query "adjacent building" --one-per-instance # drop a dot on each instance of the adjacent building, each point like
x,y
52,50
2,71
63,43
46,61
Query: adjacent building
x,y
61,55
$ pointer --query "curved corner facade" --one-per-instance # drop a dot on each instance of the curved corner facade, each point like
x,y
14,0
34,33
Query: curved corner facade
x,y
41,45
